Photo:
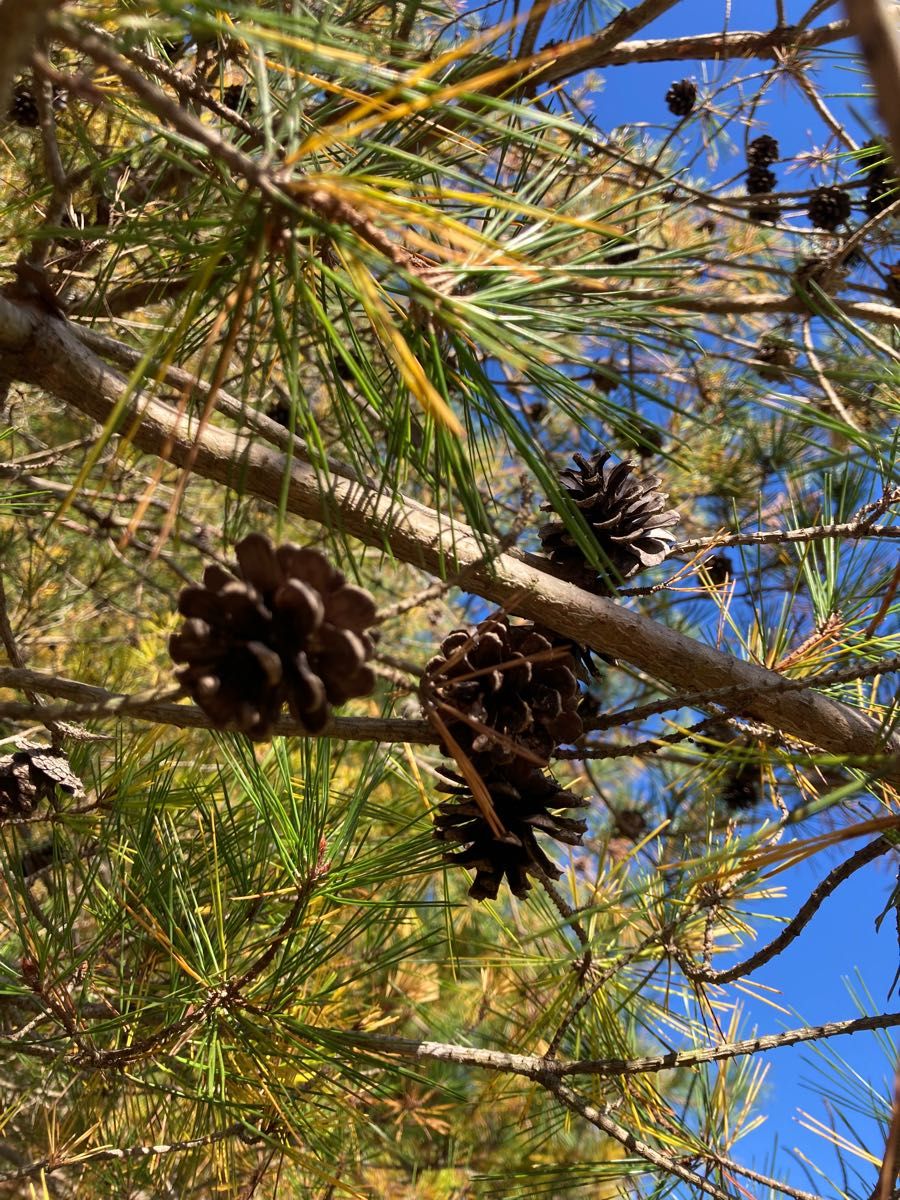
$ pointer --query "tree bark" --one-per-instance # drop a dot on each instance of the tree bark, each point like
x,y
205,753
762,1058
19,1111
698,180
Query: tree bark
x,y
43,351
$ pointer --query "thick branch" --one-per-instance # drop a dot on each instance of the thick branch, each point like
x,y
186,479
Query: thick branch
x,y
720,46
53,358
874,22
20,27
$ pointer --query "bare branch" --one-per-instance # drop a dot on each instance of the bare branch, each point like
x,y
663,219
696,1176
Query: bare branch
x,y
798,923
96,702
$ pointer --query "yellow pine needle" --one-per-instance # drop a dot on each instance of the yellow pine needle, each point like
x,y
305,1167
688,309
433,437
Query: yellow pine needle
x,y
411,371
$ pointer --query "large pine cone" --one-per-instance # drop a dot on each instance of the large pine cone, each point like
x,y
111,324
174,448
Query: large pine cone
x,y
525,801
510,680
627,515
283,627
33,773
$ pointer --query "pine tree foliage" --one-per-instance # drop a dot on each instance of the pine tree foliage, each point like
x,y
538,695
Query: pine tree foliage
x,y
367,280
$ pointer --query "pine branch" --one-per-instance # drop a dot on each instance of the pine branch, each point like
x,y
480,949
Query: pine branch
x,y
98,703
539,1067
798,923
40,349
21,25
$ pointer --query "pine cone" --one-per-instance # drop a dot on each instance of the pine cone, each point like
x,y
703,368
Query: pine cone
x,y
774,358
507,679
719,568
626,514
23,109
741,789
283,627
280,413
525,803
33,773
828,208
238,99
681,97
762,151
875,158
767,213
760,180
880,194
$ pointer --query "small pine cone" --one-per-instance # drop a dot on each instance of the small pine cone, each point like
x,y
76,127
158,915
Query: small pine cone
x,y
875,158
284,627
237,98
23,109
618,256
280,413
828,208
630,823
774,358
719,569
768,213
512,680
760,180
762,151
880,194
33,773
535,411
681,97
741,790
627,515
525,802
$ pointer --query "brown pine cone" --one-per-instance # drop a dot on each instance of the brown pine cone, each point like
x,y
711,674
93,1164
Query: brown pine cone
x,y
525,802
626,514
33,773
681,97
828,208
513,681
283,627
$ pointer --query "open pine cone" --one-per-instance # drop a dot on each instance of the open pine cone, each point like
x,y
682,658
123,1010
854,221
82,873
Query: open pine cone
x,y
512,680
626,514
526,802
33,773
284,627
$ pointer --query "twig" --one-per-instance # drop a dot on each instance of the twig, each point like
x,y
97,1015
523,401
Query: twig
x,y
535,1066
97,702
798,923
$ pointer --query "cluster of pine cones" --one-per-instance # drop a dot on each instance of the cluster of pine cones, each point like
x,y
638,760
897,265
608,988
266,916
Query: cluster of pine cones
x,y
504,697
761,153
283,627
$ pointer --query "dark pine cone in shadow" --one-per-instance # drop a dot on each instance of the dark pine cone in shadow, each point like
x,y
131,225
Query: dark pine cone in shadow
x,y
33,773
628,517
526,802
512,680
283,627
